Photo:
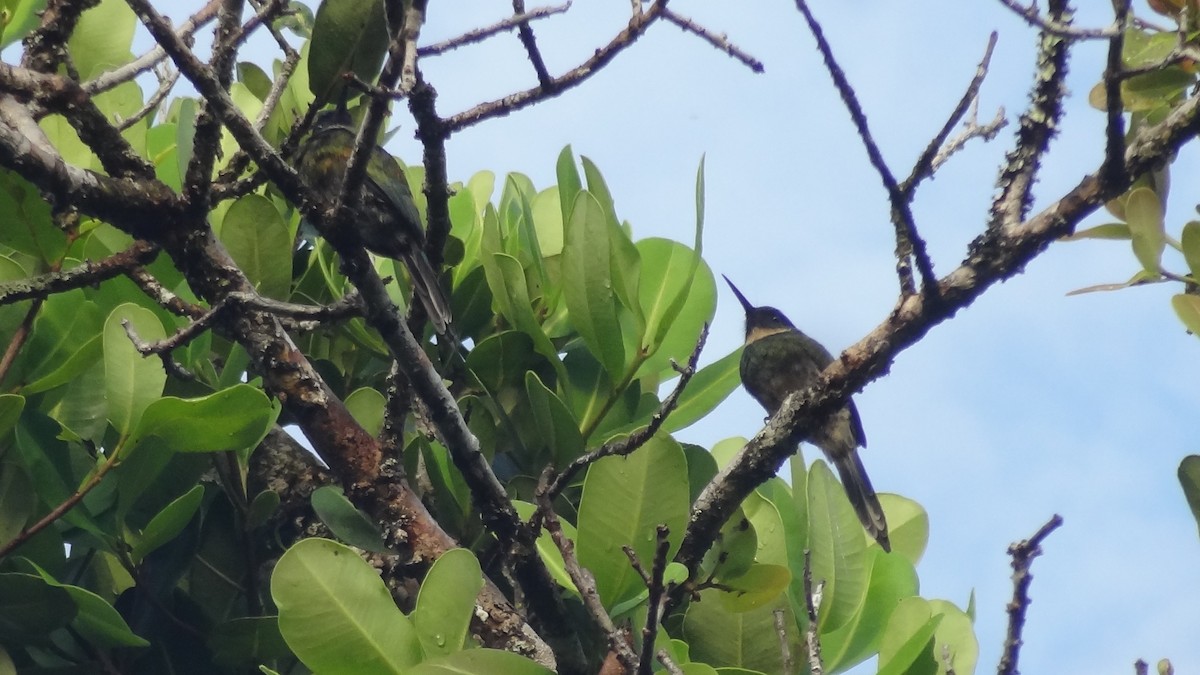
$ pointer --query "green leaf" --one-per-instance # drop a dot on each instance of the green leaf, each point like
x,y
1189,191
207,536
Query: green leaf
x,y
1189,241
1189,478
908,527
366,406
349,36
676,303
588,284
709,386
893,579
1187,308
838,548
346,522
557,427
102,38
30,608
760,585
259,242
721,638
1144,213
569,183
247,641
94,618
732,553
446,602
64,342
168,523
230,420
955,636
51,463
17,500
512,285
480,662
24,17
549,552
131,381
11,406
907,645
1105,231
624,500
337,615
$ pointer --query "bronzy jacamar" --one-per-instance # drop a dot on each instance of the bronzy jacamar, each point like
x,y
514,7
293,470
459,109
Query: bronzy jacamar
x,y
386,219
779,359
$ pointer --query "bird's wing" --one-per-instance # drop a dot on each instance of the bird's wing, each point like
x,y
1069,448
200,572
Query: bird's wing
x,y
386,180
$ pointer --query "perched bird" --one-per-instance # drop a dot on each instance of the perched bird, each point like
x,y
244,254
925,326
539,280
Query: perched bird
x,y
386,219
777,360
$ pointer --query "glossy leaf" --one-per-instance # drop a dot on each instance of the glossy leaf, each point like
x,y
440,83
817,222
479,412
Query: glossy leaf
x,y
1187,308
1189,242
907,645
893,579
759,585
258,240
17,500
337,615
721,638
908,527
838,548
233,419
94,618
955,638
446,602
558,427
624,500
30,608
131,381
168,523
1144,213
345,521
1189,478
102,38
366,406
349,36
588,284
25,17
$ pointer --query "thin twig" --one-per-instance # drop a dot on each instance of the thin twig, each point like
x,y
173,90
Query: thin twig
x,y
111,78
585,583
908,240
923,168
1023,553
785,650
812,601
525,32
1113,168
654,601
88,273
1054,25
668,663
721,41
481,34
62,509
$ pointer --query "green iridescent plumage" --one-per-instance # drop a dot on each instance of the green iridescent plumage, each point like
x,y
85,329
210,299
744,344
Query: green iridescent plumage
x,y
386,219
779,359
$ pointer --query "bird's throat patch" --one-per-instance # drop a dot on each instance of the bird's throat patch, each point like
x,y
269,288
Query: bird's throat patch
x,y
759,333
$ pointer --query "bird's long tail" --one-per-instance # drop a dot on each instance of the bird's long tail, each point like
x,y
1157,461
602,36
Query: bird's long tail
x,y
862,497
427,289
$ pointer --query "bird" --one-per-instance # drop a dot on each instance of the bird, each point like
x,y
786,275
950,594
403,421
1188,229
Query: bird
x,y
779,359
385,219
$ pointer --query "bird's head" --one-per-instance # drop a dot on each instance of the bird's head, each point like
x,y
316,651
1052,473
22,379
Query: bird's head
x,y
760,321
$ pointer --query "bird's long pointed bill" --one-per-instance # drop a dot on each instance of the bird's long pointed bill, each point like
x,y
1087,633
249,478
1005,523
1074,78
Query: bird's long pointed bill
x,y
741,298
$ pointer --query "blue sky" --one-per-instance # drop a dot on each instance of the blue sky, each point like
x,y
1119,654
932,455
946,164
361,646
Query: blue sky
x,y
1028,403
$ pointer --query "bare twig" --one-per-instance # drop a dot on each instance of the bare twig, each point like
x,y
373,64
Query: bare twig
x,y
1037,127
654,602
1054,24
86,274
481,34
637,439
525,31
785,650
721,41
924,166
111,78
166,82
908,240
971,129
812,601
1023,553
585,583
667,663
1113,169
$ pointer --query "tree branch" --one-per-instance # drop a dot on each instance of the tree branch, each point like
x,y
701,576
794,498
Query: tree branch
x,y
1023,553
